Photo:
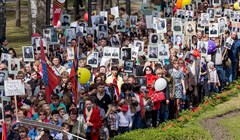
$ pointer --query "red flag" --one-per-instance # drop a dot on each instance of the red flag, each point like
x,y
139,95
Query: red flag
x,y
57,10
4,131
73,78
50,79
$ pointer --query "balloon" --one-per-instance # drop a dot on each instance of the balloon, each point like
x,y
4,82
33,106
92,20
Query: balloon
x,y
211,47
236,6
83,75
85,17
179,4
185,2
160,84
196,53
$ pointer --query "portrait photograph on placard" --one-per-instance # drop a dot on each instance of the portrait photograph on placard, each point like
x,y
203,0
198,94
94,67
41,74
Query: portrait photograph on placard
x,y
5,57
102,28
54,36
190,28
13,66
222,24
218,12
211,13
92,59
107,51
216,2
213,30
28,53
160,25
168,12
135,52
236,16
128,66
154,38
180,13
102,35
121,25
65,20
3,76
35,42
47,34
163,51
139,44
115,42
126,53
202,46
189,15
199,25
228,43
115,11
156,14
70,52
70,34
115,52
142,80
45,47
153,53
178,40
133,21
204,19
189,7
177,25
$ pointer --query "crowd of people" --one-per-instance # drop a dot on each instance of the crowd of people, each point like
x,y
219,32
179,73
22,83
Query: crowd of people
x,y
193,60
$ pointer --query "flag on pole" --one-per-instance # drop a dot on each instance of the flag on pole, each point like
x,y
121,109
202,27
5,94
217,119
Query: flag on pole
x,y
73,76
4,131
50,79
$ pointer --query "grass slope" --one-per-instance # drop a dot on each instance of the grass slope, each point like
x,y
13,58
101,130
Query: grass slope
x,y
233,127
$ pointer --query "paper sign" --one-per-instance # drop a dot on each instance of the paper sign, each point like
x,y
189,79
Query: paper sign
x,y
114,11
14,87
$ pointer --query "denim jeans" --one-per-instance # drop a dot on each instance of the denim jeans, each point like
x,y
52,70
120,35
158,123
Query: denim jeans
x,y
212,88
233,71
137,120
221,75
122,130
163,112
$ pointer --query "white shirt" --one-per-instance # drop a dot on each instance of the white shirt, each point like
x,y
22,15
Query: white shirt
x,y
76,26
124,120
218,59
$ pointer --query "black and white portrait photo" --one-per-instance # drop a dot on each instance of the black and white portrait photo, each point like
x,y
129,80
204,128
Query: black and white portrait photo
x,y
178,40
65,20
181,14
218,12
213,30
199,25
163,51
107,51
139,44
47,34
204,19
216,2
189,7
189,14
35,42
70,34
92,59
154,38
190,28
13,66
177,25
102,28
141,80
211,13
156,14
168,12
102,35
115,52
115,40
28,53
5,57
54,36
70,53
222,24
133,21
126,53
202,46
128,66
153,53
228,43
121,25
3,76
160,25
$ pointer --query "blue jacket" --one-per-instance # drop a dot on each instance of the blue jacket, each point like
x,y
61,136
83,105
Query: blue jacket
x,y
233,53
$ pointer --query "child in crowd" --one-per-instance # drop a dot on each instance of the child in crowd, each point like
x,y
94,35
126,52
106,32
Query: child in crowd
x,y
213,79
124,120
112,121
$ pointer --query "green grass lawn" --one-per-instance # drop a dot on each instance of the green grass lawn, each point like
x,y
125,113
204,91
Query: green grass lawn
x,y
232,125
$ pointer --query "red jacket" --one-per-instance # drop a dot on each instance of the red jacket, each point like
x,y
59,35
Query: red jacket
x,y
95,119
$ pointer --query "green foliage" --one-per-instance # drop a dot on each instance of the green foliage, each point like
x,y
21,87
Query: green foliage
x,y
187,126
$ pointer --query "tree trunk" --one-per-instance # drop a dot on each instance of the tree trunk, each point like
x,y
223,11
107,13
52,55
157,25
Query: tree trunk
x,y
76,8
18,13
2,19
48,13
128,7
41,16
30,25
89,13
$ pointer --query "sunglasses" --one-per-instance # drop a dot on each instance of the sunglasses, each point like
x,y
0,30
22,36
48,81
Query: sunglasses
x,y
41,114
